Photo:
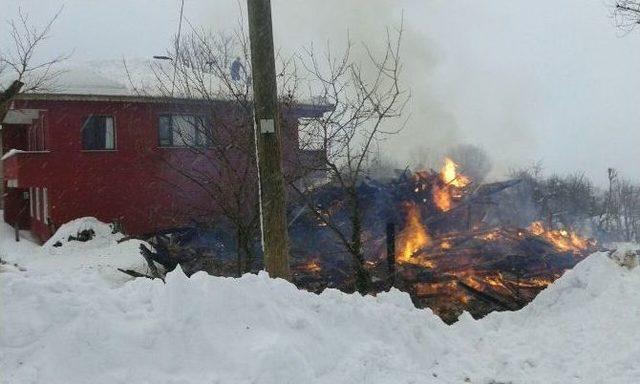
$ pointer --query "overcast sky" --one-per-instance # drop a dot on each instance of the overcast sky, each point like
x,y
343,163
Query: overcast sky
x,y
550,80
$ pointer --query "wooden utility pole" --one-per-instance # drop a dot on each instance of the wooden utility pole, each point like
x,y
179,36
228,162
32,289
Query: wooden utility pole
x,y
275,241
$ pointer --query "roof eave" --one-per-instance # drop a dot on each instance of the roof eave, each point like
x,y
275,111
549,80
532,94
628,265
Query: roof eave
x,y
303,108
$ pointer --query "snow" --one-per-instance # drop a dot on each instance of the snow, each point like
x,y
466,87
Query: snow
x,y
66,320
104,235
130,77
10,153
133,77
97,259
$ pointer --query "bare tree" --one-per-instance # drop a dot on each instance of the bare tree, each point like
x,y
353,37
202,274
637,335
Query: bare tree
x,y
20,71
221,148
18,61
619,218
627,14
209,75
366,96
629,210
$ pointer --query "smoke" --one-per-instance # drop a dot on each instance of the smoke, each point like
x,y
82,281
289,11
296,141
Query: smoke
x,y
453,100
430,124
514,78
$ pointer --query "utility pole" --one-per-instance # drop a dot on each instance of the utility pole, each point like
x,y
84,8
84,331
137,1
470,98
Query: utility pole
x,y
275,242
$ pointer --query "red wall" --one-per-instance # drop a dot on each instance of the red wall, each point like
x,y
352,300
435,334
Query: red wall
x,y
137,183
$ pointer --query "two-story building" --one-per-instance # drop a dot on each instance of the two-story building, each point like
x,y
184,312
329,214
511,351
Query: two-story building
x,y
92,147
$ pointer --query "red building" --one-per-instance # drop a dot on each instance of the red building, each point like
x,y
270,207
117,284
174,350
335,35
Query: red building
x,y
117,156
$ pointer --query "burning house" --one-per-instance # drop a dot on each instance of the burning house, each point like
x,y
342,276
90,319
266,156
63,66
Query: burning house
x,y
445,251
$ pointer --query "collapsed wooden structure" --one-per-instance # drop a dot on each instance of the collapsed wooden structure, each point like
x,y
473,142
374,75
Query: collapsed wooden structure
x,y
449,260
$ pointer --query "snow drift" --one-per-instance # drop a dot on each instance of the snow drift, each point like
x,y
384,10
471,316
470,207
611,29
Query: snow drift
x,y
77,327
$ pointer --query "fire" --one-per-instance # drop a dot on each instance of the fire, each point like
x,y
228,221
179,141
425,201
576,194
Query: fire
x,y
451,181
442,198
413,237
491,236
563,240
536,228
450,176
312,266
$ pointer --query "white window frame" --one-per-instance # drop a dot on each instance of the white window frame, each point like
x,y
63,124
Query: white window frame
x,y
30,201
37,203
45,205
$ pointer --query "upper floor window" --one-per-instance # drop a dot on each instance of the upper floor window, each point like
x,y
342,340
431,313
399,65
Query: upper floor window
x,y
182,131
98,133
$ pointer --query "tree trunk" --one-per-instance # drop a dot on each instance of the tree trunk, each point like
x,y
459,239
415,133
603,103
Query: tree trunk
x,y
363,278
240,252
244,251
7,96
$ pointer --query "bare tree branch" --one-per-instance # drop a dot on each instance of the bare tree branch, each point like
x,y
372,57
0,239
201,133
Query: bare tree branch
x,y
19,62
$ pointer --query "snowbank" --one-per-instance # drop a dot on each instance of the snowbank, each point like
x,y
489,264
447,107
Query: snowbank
x,y
103,236
78,329
101,255
581,329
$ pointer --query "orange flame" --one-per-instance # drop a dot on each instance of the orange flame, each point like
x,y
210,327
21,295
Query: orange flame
x,y
450,176
442,198
413,237
311,266
563,240
451,180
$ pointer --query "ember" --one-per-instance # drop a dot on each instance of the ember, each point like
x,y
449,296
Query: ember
x,y
563,240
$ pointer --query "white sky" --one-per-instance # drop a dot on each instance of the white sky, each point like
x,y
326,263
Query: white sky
x,y
550,80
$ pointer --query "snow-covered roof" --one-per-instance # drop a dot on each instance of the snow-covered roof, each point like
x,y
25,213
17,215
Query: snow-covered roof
x,y
134,77
87,80
146,78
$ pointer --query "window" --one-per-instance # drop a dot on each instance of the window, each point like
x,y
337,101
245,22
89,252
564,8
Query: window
x,y
182,131
98,133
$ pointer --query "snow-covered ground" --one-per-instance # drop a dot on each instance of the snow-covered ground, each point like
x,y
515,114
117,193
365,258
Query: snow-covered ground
x,y
67,316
